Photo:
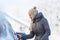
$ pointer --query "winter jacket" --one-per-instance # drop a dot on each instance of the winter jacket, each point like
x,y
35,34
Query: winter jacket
x,y
41,30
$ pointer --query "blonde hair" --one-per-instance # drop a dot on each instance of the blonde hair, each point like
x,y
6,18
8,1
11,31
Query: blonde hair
x,y
33,11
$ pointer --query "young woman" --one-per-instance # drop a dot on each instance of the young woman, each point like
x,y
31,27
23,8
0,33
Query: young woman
x,y
39,26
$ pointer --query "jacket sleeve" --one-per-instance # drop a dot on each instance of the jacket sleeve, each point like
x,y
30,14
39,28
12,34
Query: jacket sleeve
x,y
46,28
31,35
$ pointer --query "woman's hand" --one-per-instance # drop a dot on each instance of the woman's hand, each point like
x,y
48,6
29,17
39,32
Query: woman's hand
x,y
19,36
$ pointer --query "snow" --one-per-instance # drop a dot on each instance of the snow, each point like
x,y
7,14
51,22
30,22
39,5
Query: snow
x,y
6,31
18,10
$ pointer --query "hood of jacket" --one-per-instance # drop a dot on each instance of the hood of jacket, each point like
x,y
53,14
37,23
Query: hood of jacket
x,y
38,17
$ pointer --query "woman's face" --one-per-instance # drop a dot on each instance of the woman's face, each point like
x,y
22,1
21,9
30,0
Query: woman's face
x,y
30,16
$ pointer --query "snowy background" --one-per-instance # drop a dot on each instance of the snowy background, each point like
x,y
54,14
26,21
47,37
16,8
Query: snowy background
x,y
17,14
